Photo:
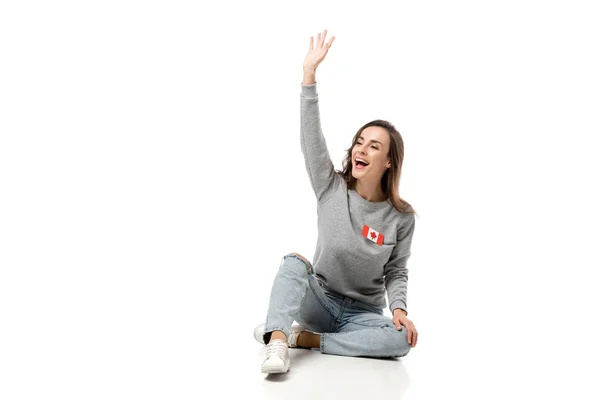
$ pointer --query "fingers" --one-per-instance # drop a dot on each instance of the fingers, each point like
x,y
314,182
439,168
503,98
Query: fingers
x,y
412,335
328,44
321,38
398,324
411,331
321,41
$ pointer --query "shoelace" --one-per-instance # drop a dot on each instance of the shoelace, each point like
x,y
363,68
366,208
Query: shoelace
x,y
278,348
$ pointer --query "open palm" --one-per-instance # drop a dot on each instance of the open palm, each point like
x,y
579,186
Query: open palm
x,y
317,51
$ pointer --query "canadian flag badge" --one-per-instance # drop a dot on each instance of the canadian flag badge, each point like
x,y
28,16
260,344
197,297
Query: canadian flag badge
x,y
372,235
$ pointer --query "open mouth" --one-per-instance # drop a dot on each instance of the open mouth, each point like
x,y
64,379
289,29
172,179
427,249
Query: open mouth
x,y
360,164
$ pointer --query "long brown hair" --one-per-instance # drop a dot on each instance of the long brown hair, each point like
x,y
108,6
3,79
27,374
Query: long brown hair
x,y
390,181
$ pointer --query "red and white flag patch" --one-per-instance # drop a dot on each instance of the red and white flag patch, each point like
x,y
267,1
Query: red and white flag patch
x,y
372,235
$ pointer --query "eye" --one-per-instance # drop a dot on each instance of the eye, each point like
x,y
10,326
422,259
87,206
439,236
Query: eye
x,y
360,144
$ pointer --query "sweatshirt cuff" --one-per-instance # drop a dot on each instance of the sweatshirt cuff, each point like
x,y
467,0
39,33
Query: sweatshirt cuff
x,y
398,304
309,90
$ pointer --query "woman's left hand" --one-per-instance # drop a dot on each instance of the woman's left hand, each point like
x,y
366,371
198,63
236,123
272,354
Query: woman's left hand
x,y
400,319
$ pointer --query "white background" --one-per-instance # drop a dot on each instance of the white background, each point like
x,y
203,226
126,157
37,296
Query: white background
x,y
151,179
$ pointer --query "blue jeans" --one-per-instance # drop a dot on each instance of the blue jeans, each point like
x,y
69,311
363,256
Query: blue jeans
x,y
348,327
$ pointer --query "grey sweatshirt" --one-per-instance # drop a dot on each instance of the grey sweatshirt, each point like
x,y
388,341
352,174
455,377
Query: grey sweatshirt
x,y
346,261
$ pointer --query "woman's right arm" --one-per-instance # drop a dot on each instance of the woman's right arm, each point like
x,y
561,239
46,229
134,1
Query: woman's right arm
x,y
314,148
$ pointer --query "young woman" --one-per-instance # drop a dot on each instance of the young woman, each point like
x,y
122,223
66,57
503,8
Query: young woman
x,y
364,238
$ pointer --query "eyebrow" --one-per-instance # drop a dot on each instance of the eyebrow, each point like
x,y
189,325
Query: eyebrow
x,y
376,141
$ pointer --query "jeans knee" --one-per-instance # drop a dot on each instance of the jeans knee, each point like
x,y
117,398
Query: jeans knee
x,y
398,343
297,256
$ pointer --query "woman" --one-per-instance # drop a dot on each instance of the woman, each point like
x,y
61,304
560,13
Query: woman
x,y
364,236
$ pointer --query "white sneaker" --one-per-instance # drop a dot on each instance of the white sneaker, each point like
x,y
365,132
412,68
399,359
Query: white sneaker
x,y
259,332
277,360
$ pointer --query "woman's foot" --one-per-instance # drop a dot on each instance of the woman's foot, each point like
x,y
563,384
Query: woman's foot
x,y
277,359
308,340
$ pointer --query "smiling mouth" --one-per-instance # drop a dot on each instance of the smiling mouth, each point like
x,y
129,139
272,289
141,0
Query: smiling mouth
x,y
360,165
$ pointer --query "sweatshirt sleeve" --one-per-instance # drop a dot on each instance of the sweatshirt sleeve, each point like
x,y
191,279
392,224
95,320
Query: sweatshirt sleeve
x,y
321,173
395,270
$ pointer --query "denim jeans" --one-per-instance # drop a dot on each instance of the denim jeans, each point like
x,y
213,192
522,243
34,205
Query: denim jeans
x,y
347,327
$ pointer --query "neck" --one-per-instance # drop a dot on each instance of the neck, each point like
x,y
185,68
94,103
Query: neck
x,y
370,191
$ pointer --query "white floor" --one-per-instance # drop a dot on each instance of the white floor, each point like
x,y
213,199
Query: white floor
x,y
441,366
314,375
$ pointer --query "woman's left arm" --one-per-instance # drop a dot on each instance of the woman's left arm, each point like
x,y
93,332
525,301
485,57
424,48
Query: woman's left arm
x,y
395,271
396,280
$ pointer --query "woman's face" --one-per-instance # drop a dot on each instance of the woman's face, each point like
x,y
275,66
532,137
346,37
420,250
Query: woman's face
x,y
372,146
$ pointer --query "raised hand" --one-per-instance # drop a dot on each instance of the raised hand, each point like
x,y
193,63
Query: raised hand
x,y
316,53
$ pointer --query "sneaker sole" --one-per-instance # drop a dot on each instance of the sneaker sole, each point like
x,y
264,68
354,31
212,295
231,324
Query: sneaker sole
x,y
274,370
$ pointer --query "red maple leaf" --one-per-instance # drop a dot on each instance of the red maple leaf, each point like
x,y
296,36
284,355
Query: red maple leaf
x,y
373,235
